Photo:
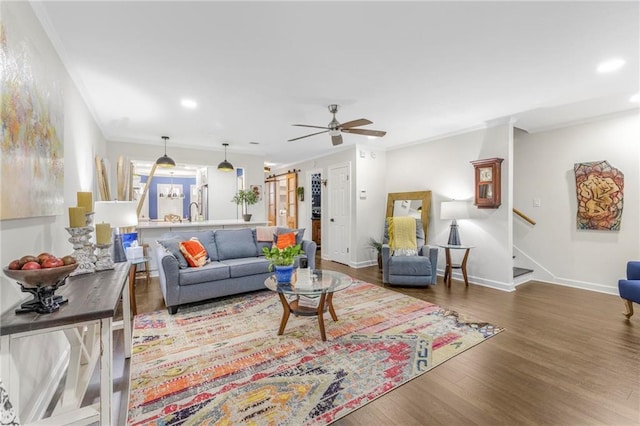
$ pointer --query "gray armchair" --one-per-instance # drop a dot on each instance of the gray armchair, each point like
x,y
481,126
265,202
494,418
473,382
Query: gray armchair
x,y
415,271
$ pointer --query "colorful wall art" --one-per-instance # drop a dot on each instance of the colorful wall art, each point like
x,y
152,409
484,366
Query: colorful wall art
x,y
599,188
31,135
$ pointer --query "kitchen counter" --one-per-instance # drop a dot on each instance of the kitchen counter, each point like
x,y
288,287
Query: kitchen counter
x,y
205,224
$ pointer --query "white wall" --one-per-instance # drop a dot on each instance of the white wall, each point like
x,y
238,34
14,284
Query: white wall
x,y
554,248
443,167
370,176
40,369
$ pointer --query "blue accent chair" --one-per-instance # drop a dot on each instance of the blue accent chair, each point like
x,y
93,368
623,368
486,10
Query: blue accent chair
x,y
412,271
630,288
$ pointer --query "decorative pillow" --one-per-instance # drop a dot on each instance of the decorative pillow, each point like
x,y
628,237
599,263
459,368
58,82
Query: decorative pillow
x,y
299,233
172,245
194,252
284,240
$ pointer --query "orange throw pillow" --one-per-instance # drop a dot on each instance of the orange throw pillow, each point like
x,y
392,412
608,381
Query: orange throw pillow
x,y
194,252
286,240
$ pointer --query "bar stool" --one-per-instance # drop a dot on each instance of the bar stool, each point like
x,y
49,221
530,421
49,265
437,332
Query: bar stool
x,y
134,273
144,271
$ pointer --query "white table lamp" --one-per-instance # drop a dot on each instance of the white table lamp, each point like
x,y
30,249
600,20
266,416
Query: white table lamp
x,y
119,214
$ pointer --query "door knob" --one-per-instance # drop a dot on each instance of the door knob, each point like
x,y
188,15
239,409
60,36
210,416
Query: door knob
x,y
331,220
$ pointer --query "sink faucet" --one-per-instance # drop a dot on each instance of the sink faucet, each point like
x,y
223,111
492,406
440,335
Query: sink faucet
x,y
197,210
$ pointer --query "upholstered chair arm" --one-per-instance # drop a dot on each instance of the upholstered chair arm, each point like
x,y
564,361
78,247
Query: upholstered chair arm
x,y
386,255
309,248
168,276
432,253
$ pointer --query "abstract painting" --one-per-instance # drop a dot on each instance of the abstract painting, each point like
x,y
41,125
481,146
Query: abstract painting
x,y
599,188
31,136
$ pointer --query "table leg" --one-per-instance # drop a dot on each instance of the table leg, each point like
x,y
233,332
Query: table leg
x,y
285,313
10,378
449,268
132,290
321,316
331,310
463,266
128,308
106,371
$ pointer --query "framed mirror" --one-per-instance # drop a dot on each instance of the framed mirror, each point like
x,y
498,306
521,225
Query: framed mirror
x,y
416,203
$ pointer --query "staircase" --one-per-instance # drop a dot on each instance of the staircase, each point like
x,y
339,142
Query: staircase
x,y
521,275
517,272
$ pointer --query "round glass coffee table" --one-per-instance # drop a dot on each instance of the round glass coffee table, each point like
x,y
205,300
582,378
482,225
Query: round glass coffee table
x,y
313,286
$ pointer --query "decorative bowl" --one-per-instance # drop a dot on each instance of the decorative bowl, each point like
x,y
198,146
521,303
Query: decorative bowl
x,y
40,277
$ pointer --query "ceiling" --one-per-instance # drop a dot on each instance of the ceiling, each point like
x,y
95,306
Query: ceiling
x,y
418,70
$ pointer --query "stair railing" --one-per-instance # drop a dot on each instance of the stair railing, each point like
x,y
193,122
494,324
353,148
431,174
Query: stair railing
x,y
524,216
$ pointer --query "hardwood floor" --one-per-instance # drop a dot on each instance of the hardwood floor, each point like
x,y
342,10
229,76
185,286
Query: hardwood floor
x,y
567,357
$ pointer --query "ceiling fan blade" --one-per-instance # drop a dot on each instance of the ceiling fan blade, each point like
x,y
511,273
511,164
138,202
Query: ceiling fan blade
x,y
336,140
355,123
378,133
313,127
306,136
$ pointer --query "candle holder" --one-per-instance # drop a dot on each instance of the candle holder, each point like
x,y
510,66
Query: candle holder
x,y
104,257
83,249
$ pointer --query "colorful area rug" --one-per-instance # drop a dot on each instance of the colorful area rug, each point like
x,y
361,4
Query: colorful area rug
x,y
223,363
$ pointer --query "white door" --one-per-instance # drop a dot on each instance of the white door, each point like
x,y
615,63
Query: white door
x,y
339,189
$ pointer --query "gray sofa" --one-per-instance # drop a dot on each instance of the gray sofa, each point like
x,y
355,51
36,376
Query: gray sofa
x,y
236,265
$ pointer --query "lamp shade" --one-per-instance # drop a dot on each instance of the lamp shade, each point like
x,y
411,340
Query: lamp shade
x,y
454,210
119,214
165,160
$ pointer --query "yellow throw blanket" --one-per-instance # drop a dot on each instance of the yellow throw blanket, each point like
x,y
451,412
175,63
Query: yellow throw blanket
x,y
402,236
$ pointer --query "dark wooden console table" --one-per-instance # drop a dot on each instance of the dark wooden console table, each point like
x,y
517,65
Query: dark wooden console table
x,y
87,322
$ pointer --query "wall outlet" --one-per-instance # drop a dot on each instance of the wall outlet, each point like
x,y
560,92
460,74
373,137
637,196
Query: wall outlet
x,y
536,202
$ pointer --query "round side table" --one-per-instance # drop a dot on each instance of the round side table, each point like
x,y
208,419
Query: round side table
x,y
450,266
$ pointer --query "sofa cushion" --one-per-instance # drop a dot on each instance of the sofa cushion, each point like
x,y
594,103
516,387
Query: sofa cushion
x,y
194,252
172,245
235,243
299,233
213,271
247,266
409,265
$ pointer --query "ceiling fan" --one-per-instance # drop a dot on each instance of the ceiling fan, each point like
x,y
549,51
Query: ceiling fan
x,y
334,128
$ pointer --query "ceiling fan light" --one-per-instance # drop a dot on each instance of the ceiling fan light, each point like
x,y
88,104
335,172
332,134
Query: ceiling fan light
x,y
225,166
334,132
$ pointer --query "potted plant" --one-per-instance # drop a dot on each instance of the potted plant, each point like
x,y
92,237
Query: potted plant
x,y
376,245
282,261
300,192
245,197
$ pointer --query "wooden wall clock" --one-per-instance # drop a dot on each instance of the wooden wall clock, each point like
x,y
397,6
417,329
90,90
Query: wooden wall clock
x,y
487,186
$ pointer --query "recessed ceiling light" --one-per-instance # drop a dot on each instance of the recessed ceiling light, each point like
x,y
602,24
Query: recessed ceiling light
x,y
189,103
610,65
635,98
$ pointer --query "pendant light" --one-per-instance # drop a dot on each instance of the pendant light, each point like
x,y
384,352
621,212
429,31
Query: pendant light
x,y
165,161
225,166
